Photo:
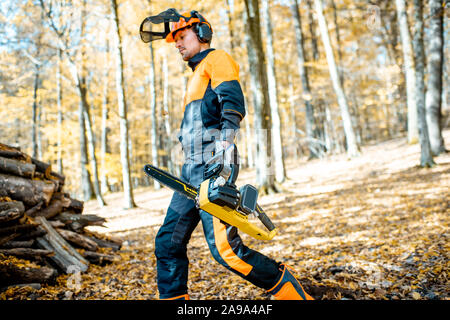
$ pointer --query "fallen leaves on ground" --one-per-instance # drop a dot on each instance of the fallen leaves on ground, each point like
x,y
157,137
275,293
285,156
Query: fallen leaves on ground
x,y
372,228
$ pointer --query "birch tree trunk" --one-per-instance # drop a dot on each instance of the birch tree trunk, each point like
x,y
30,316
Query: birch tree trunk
x,y
433,99
312,31
352,147
82,89
34,128
426,159
120,86
153,122
292,108
38,130
104,186
59,161
86,183
408,62
167,128
303,72
277,143
230,11
264,166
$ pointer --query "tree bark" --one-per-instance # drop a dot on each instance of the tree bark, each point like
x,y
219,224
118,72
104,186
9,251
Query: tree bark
x,y
17,167
18,228
277,143
10,214
77,222
34,126
26,253
433,99
54,208
303,72
86,183
16,205
426,158
78,239
165,115
153,122
30,192
352,147
123,122
59,156
83,90
98,258
264,167
410,76
65,256
11,244
13,274
312,31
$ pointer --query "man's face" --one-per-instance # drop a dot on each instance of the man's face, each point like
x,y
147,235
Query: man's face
x,y
187,43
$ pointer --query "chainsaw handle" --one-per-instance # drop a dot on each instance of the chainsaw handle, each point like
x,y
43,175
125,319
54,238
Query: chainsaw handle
x,y
264,218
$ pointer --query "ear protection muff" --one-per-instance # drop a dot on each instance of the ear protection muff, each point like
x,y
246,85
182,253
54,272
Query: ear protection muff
x,y
202,29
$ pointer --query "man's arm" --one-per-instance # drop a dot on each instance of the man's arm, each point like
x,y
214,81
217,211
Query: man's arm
x,y
225,83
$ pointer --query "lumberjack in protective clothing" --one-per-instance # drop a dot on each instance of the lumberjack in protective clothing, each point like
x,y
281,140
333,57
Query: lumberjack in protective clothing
x,y
213,110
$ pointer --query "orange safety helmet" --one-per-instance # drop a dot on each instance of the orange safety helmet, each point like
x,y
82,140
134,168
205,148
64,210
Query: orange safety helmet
x,y
203,28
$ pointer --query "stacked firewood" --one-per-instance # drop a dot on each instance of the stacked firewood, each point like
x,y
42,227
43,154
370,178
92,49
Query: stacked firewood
x,y
42,229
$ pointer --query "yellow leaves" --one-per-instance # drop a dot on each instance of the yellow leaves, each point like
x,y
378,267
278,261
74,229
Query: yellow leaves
x,y
415,295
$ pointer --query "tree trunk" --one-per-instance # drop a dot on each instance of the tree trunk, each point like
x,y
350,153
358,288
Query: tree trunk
x,y
277,143
83,90
263,125
338,44
426,159
91,145
312,31
120,84
433,99
104,186
153,122
303,72
408,62
230,11
59,161
86,183
352,147
34,125
167,128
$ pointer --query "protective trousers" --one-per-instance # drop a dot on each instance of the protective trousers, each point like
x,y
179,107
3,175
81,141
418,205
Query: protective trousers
x,y
223,240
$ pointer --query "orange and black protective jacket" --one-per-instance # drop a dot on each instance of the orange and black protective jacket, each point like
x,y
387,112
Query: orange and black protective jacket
x,y
213,104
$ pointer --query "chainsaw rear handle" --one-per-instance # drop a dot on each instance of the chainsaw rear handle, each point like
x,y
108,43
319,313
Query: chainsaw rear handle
x,y
264,218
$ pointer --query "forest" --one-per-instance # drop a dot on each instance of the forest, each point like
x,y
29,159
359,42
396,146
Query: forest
x,y
326,82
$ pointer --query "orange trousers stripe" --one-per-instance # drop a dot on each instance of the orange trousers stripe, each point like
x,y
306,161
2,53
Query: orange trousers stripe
x,y
225,251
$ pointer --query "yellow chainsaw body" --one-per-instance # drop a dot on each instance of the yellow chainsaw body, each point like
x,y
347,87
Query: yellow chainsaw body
x,y
230,216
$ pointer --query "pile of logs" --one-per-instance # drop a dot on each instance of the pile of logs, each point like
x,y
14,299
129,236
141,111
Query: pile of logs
x,y
42,225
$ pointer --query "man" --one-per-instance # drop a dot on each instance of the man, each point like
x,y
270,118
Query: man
x,y
213,109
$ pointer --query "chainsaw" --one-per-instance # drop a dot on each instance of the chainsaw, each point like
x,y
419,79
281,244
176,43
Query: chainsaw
x,y
219,196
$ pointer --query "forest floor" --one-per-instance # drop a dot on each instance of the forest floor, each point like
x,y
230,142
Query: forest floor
x,y
373,227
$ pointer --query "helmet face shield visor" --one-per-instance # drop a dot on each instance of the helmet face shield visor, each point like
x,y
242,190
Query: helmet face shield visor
x,y
149,31
157,27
